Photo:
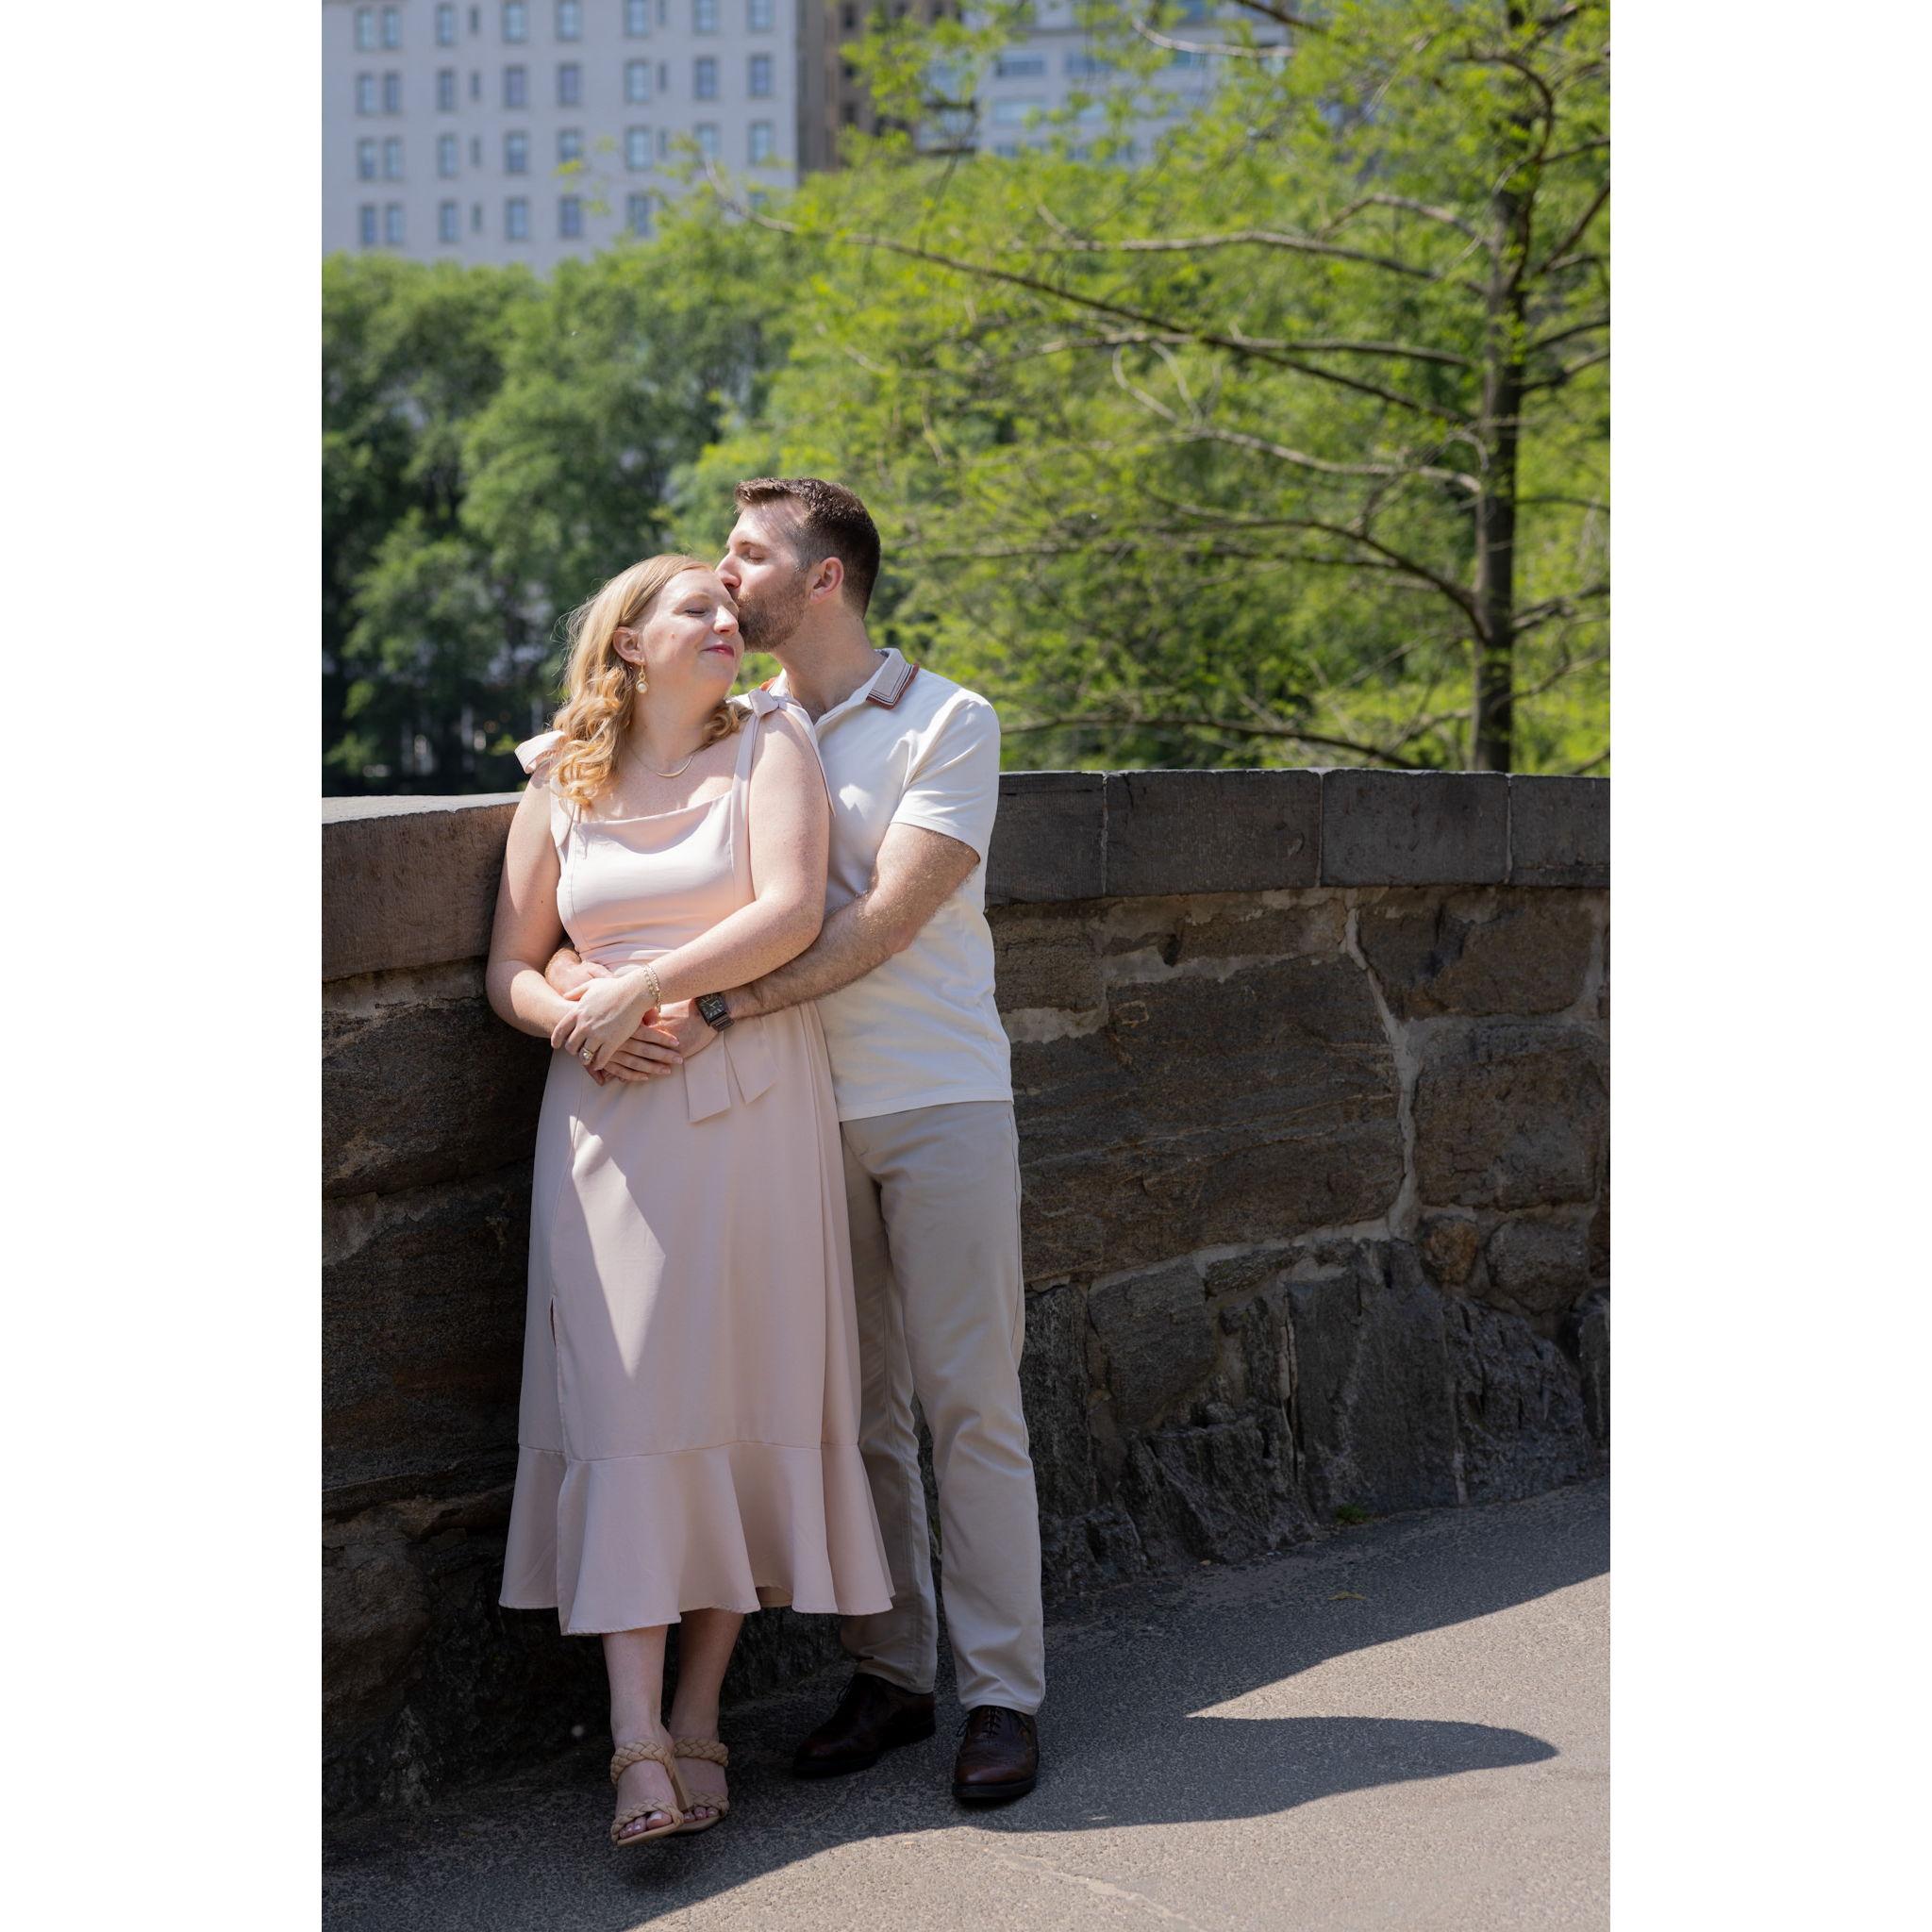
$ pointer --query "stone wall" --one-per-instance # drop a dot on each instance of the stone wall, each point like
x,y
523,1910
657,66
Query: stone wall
x,y
1310,1071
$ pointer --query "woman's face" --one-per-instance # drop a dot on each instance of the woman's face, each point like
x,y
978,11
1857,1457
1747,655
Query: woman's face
x,y
688,641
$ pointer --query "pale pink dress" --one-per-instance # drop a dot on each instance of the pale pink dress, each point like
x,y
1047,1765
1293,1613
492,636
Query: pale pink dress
x,y
689,1433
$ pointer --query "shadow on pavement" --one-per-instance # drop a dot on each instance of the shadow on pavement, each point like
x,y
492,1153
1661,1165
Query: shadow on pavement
x,y
1124,1739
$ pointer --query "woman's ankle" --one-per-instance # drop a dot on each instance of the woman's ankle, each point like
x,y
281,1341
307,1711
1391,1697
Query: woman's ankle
x,y
698,1720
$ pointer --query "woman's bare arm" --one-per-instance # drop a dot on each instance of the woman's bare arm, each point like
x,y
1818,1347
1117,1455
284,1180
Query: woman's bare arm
x,y
526,928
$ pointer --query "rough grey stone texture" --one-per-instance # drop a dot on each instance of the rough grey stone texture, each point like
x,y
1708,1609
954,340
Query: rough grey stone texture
x,y
421,1082
1211,832
1414,828
1047,838
1158,1339
1588,1331
1519,1424
423,1297
1540,1265
1559,831
1511,1114
1205,1112
409,882
1509,952
1046,963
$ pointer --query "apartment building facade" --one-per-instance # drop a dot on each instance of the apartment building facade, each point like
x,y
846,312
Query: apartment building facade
x,y
532,130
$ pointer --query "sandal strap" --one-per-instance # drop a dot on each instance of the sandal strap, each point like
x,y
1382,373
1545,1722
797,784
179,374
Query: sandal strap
x,y
627,1755
636,1811
706,1750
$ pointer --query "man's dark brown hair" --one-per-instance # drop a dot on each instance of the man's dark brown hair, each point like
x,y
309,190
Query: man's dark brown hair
x,y
826,521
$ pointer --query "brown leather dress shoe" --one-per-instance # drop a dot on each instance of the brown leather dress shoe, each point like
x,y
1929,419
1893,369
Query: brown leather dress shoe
x,y
873,1716
999,1755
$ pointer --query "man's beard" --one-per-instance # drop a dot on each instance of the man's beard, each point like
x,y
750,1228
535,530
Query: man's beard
x,y
768,623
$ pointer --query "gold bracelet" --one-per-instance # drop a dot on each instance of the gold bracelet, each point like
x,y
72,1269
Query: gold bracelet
x,y
655,984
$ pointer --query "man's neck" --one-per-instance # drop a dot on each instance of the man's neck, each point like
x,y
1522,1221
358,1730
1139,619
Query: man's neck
x,y
824,671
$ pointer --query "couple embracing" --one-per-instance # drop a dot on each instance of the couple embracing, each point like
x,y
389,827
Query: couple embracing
x,y
777,1191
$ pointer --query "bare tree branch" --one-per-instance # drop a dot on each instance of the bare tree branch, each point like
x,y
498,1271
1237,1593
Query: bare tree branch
x,y
1448,217
1212,338
1564,375
1575,234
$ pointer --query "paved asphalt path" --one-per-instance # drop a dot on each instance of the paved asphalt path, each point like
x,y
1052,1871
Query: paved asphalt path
x,y
1404,1725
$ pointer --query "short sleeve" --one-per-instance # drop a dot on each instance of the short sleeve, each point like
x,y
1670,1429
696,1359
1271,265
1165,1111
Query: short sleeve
x,y
953,788
535,751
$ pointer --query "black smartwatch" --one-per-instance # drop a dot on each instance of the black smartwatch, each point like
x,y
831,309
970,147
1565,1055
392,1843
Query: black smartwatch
x,y
713,1012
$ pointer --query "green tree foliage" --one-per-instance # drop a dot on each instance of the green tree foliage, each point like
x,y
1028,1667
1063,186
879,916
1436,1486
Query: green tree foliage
x,y
494,448
1291,438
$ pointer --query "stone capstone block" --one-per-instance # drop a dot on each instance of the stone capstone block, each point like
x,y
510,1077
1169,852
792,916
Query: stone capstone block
x,y
421,1082
1559,831
1541,1266
1158,1339
1211,832
1046,838
1510,1114
421,1327
1206,1112
1414,828
409,881
1517,953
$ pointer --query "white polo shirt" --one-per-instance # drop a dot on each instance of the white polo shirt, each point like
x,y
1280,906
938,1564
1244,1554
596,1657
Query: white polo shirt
x,y
912,748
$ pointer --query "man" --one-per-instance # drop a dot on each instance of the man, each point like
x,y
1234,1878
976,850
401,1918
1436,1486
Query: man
x,y
901,971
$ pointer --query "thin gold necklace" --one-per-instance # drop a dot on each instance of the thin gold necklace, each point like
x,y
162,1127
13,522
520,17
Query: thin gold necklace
x,y
678,772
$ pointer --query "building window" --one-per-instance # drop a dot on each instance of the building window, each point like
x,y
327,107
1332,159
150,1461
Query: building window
x,y
570,85
1020,67
446,26
570,20
637,80
365,160
760,142
569,145
476,87
516,22
637,18
365,223
1013,112
707,132
476,26
516,154
365,29
704,83
392,26
475,150
516,87
516,219
703,16
365,94
637,147
393,224
391,93
392,159
760,76
446,155
445,90
637,215
758,16
570,217
447,226
663,76
1087,66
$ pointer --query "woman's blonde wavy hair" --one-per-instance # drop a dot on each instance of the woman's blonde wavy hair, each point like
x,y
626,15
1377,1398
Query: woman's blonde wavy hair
x,y
600,688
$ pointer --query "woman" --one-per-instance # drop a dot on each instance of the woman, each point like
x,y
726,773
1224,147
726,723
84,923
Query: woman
x,y
688,1428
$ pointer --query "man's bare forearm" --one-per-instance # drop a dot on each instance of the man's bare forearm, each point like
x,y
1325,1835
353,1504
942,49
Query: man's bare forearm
x,y
852,941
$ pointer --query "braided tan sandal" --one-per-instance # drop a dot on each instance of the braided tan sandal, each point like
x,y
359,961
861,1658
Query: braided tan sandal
x,y
620,1761
706,1751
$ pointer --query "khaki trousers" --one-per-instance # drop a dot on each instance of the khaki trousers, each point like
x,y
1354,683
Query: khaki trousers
x,y
933,1196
